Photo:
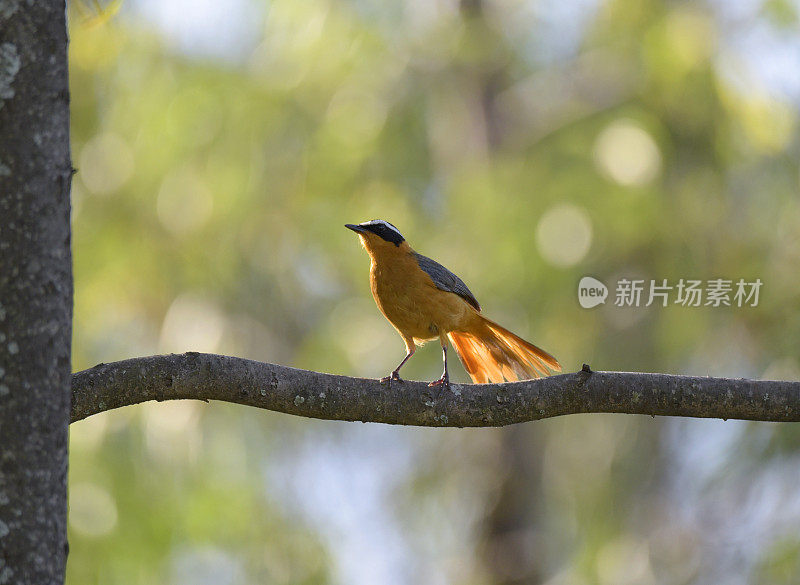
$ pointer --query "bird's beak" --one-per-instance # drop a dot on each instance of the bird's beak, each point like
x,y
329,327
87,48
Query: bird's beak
x,y
356,228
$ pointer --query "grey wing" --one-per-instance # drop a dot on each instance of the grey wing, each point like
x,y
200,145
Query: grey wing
x,y
446,280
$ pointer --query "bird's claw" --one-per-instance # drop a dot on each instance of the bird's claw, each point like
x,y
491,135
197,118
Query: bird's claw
x,y
393,376
443,382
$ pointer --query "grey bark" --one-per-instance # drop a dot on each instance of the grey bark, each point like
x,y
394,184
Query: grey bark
x,y
326,396
35,291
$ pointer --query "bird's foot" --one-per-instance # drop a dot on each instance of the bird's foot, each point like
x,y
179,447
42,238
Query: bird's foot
x,y
393,376
443,382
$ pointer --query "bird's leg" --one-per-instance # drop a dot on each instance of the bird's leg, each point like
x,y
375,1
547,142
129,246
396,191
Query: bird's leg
x,y
395,375
444,381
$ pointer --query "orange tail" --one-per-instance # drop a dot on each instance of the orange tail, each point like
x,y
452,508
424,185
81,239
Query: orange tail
x,y
490,353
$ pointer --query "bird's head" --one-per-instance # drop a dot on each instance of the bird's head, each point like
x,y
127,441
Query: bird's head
x,y
378,234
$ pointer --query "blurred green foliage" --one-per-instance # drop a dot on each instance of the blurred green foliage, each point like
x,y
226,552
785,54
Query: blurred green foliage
x,y
523,146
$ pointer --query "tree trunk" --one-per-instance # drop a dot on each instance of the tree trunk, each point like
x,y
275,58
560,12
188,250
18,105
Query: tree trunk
x,y
512,538
35,291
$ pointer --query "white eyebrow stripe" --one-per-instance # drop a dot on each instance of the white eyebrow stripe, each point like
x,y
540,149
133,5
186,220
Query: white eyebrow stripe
x,y
382,222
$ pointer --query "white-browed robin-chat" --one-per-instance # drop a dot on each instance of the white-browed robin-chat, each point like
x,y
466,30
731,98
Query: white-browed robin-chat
x,y
423,300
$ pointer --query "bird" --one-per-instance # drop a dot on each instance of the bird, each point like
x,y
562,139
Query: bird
x,y
423,301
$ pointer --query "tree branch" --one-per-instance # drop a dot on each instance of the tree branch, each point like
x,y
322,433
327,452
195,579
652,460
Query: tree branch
x,y
326,396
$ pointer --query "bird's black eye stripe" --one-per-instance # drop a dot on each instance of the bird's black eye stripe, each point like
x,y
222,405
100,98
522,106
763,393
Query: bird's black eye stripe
x,y
386,233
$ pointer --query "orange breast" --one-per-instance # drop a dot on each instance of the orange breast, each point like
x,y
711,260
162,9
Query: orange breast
x,y
409,299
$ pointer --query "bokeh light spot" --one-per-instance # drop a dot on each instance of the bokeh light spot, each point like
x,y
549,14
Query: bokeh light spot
x,y
192,324
106,163
564,235
171,431
92,510
89,433
627,154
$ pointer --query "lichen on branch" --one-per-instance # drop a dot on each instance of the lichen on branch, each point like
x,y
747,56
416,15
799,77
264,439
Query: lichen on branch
x,y
326,396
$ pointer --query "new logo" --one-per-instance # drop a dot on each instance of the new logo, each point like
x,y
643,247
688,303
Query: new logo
x,y
591,292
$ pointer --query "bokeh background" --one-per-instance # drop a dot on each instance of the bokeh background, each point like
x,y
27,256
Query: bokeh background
x,y
220,147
